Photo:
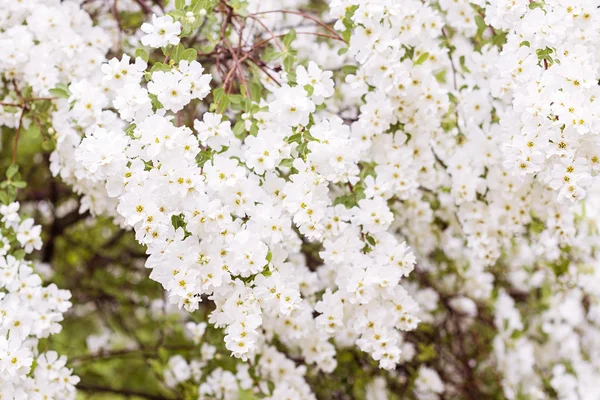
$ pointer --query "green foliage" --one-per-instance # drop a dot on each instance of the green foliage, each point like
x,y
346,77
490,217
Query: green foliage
x,y
545,57
143,54
61,90
422,58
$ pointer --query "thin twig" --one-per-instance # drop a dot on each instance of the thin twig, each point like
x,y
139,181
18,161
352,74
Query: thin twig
x,y
303,15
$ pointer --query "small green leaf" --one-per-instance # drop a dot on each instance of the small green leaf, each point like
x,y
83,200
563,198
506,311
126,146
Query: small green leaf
x,y
246,395
177,52
203,157
481,25
296,137
12,171
289,38
533,5
255,91
19,254
426,352
286,163
178,222
288,63
130,129
463,66
349,69
422,58
163,354
309,89
371,240
61,90
207,5
189,55
239,128
441,76
142,53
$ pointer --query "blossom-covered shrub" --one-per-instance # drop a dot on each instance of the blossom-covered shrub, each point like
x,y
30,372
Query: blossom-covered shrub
x,y
367,200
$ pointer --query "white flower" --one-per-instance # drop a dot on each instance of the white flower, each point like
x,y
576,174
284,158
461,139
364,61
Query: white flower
x,y
161,32
292,106
28,235
320,81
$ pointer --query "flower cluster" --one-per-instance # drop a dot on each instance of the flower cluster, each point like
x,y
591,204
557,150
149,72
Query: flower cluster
x,y
49,42
443,99
549,70
29,311
272,366
223,227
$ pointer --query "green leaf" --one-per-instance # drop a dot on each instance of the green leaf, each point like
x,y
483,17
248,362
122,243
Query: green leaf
x,y
61,90
239,128
371,240
178,222
286,163
533,5
19,254
203,157
463,66
499,39
426,352
270,55
481,25
155,103
207,5
441,76
142,53
163,354
246,395
296,137
309,89
160,67
12,171
422,58
254,130
288,63
289,38
349,69
291,77
177,52
561,266
220,100
255,91
33,130
235,98
177,15
19,184
180,4
189,55
130,129
156,366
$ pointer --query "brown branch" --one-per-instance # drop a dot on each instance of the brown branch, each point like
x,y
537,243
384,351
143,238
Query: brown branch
x,y
307,16
117,15
145,8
